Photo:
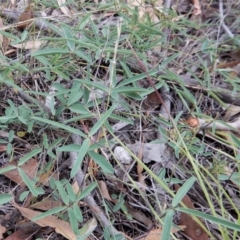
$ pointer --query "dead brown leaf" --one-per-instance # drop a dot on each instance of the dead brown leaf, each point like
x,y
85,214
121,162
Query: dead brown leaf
x,y
46,205
3,148
140,216
193,229
4,41
197,6
30,168
156,234
60,226
104,191
2,231
24,18
35,44
152,101
20,235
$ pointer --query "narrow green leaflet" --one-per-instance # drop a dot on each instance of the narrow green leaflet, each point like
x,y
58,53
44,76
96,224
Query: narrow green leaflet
x,y
82,152
167,225
13,107
77,212
87,191
68,34
74,96
9,35
137,77
83,56
78,108
59,125
5,198
7,169
87,229
118,205
182,191
211,218
29,156
73,220
71,194
28,182
48,213
50,51
62,192
102,119
69,148
102,162
128,89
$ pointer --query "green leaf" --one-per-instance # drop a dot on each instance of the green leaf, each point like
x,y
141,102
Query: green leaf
x,y
87,191
59,125
60,73
71,194
137,77
217,220
94,85
128,89
13,106
119,205
68,34
77,212
102,119
77,118
69,148
74,96
28,182
87,229
7,169
120,118
48,213
29,156
44,61
102,162
83,56
45,141
9,35
10,135
5,198
82,152
50,51
9,148
73,220
62,192
182,191
23,195
167,225
78,108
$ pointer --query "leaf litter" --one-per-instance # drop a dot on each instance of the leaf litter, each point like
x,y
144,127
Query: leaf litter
x,y
163,134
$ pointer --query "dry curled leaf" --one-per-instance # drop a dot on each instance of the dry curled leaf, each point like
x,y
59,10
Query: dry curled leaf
x,y
60,226
25,17
104,191
152,101
35,44
156,234
46,205
140,216
30,168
